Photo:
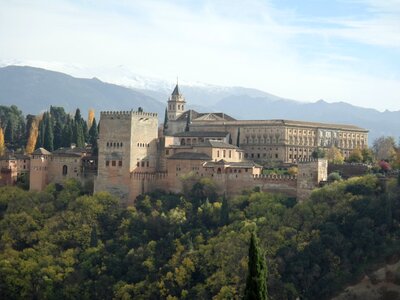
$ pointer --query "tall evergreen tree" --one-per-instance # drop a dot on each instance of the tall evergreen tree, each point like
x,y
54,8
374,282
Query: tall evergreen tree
x,y
42,131
224,212
9,133
49,134
78,117
58,135
68,134
256,283
79,138
93,136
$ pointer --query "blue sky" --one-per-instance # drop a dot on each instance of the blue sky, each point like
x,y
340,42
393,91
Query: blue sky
x,y
343,50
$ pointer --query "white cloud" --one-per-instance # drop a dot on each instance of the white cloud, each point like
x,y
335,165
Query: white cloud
x,y
248,43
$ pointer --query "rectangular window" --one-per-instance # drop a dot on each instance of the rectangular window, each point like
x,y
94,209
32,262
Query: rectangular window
x,y
147,164
107,163
142,164
113,163
230,153
120,163
224,153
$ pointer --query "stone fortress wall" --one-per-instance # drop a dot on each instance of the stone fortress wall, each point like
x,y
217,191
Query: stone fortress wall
x,y
136,157
145,162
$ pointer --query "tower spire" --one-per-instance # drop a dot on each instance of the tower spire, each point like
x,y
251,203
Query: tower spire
x,y
176,103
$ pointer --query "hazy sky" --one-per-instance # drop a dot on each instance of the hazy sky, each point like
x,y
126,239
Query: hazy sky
x,y
343,50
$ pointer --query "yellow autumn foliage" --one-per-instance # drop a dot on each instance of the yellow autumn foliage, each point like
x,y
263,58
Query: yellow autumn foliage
x,y
33,134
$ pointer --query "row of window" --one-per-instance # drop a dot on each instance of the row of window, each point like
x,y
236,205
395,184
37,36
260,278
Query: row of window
x,y
229,154
143,164
172,106
258,155
114,144
248,140
143,145
114,163
300,150
299,131
295,156
190,141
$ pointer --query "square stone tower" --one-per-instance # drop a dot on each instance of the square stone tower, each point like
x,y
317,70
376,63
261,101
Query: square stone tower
x,y
310,174
127,144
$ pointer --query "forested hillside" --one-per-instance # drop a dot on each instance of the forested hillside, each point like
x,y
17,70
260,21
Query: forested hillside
x,y
63,244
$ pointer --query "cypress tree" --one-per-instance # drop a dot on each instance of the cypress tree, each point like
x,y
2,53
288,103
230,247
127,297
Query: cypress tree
x,y
85,130
79,138
67,134
9,133
93,136
58,135
224,215
78,117
256,283
49,134
42,131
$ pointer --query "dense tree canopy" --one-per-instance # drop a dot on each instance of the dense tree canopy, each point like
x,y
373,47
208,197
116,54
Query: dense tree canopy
x,y
63,244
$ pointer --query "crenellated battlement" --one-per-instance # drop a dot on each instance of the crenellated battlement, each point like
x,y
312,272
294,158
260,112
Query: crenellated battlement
x,y
307,160
274,177
149,176
108,114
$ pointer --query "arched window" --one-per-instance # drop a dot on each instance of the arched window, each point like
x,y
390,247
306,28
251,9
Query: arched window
x,y
64,170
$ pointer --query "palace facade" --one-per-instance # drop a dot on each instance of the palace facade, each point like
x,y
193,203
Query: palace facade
x,y
135,156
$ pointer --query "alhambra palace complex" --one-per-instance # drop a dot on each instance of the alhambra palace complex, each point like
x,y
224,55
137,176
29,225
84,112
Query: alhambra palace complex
x,y
136,156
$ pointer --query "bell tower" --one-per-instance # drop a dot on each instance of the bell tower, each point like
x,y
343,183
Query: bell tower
x,y
176,104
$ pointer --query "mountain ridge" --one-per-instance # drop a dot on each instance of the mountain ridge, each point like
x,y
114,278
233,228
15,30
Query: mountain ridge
x,y
34,89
